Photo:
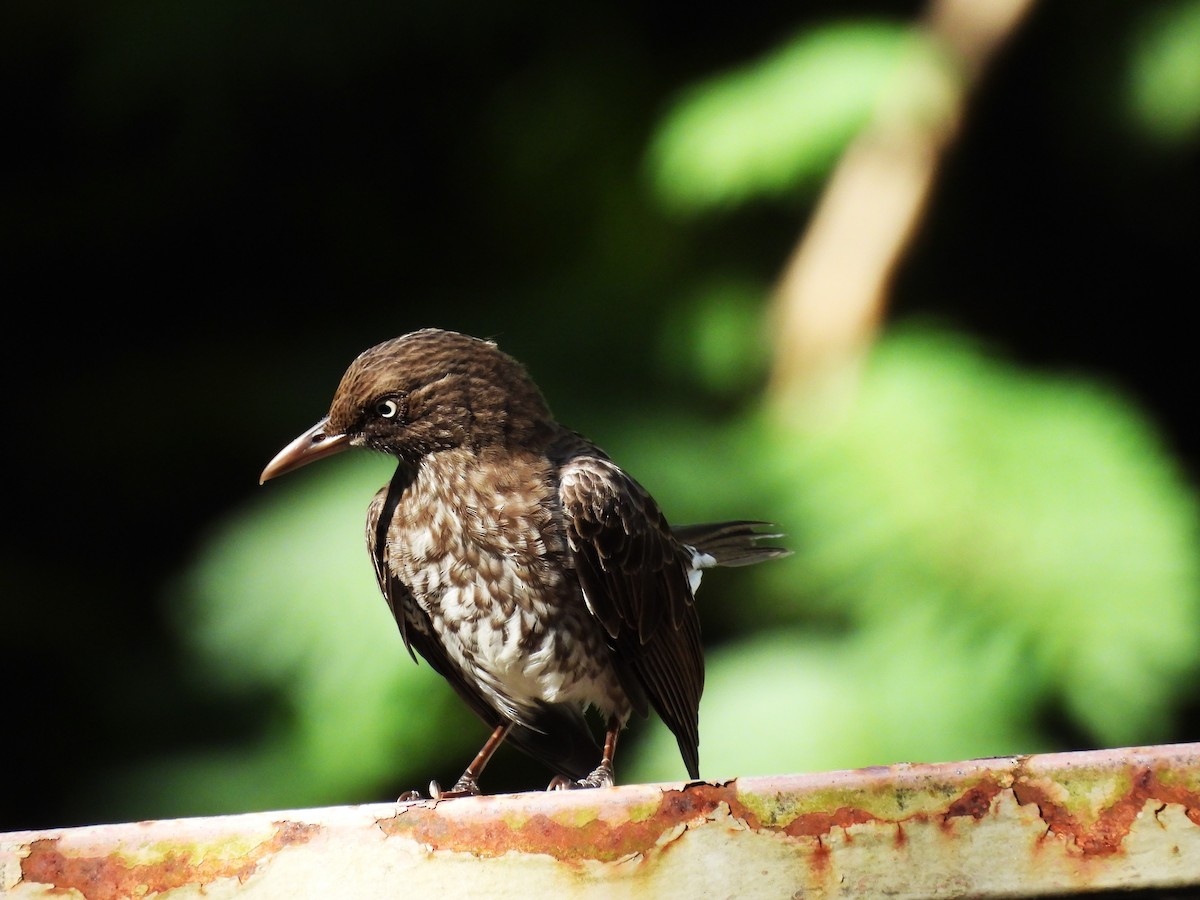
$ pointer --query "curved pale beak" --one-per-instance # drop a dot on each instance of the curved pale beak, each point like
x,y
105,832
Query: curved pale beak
x,y
316,443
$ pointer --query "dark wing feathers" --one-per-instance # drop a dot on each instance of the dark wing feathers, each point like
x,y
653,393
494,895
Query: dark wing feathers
x,y
635,581
557,735
379,517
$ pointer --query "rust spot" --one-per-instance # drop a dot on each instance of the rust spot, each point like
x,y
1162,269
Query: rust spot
x,y
976,802
113,876
818,823
819,863
567,839
1107,831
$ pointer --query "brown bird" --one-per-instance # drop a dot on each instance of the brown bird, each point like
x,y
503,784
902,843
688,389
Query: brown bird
x,y
521,562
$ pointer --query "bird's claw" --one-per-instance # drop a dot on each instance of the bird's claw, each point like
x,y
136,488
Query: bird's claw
x,y
464,787
601,776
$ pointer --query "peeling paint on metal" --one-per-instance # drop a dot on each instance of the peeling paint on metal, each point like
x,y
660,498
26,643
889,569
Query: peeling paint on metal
x,y
1093,810
1102,830
115,876
1012,826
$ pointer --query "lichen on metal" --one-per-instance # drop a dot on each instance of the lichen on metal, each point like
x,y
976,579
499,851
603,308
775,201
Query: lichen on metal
x,y
1007,827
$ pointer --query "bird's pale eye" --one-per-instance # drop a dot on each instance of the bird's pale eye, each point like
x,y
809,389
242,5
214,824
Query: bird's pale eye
x,y
387,408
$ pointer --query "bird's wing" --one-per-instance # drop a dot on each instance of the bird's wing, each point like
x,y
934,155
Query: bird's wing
x,y
557,735
635,582
379,518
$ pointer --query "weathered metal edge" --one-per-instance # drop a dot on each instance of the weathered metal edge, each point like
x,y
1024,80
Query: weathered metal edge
x,y
1007,827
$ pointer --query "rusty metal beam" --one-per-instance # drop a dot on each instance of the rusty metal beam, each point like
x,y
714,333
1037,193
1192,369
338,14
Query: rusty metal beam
x,y
1055,824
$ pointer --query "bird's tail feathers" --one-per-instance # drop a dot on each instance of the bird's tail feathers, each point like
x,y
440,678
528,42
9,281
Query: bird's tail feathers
x,y
731,543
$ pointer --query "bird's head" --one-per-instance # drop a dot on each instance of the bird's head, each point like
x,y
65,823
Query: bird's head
x,y
420,393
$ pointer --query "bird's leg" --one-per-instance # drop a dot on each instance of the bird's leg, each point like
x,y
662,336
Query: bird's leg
x,y
602,775
468,783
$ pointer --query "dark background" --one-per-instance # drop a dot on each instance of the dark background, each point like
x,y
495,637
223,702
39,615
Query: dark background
x,y
209,209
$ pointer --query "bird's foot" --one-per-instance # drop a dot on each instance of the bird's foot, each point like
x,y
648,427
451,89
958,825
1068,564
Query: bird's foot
x,y
464,787
602,776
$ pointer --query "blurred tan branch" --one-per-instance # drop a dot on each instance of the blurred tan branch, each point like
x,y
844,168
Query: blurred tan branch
x,y
834,289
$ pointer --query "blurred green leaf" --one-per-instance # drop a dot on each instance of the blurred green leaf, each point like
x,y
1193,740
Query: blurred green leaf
x,y
778,124
717,340
1163,91
1044,506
